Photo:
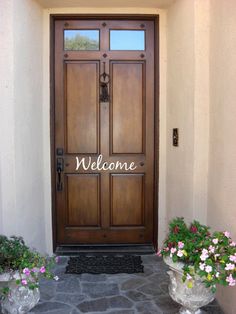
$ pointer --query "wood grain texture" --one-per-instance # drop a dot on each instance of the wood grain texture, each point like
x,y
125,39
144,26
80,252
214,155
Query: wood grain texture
x,y
82,107
112,206
127,200
127,107
83,200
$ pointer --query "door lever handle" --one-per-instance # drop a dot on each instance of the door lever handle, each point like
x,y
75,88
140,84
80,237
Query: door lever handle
x,y
60,168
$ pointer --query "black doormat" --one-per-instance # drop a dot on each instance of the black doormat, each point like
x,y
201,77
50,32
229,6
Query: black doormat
x,y
111,264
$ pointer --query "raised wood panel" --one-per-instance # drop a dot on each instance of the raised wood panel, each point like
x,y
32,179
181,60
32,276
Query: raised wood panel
x,y
82,107
83,200
127,199
127,119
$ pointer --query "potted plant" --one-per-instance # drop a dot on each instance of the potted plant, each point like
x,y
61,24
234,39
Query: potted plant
x,y
198,262
20,271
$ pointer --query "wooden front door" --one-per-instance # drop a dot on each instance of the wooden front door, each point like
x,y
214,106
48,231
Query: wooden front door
x,y
104,131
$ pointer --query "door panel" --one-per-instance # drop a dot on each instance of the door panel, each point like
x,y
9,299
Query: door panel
x,y
127,107
82,110
127,200
110,202
83,200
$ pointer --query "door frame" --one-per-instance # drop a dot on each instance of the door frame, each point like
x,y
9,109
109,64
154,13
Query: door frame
x,y
155,18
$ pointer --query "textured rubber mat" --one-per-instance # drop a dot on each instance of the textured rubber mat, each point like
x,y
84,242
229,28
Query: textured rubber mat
x,y
111,264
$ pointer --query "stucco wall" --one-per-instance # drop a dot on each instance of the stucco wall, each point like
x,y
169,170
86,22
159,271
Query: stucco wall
x,y
222,157
187,108
22,159
180,97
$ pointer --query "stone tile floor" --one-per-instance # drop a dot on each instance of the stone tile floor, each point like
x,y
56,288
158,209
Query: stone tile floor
x,y
145,293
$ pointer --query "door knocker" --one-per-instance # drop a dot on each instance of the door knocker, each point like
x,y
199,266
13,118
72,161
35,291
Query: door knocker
x,y
104,81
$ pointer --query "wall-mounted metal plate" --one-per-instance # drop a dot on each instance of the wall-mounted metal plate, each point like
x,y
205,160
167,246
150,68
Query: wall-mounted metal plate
x,y
175,137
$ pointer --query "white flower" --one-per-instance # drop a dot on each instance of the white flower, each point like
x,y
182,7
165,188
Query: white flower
x,y
227,234
233,258
215,241
211,249
208,269
56,278
229,266
202,266
217,274
180,253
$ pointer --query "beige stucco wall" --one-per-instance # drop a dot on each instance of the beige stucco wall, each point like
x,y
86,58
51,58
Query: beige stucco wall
x,y
22,198
187,108
222,156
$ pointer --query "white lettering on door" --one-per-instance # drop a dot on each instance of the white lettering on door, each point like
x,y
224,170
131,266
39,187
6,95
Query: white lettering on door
x,y
100,165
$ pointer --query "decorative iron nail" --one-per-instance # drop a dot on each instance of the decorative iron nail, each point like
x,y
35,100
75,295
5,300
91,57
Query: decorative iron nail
x,y
104,55
104,24
66,55
142,25
142,55
66,24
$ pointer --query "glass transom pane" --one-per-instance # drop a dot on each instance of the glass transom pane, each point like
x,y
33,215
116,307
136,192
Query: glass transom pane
x,y
81,39
127,40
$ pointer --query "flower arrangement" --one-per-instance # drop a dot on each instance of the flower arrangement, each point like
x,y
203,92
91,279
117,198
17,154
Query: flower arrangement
x,y
209,256
22,265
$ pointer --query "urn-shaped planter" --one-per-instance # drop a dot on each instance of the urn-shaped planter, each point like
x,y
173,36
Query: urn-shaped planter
x,y
191,299
20,299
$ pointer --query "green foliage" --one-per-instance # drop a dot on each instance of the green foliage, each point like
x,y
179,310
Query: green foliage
x,y
17,258
209,256
80,43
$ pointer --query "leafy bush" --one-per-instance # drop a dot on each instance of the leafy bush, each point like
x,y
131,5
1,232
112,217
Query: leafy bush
x,y
25,266
210,256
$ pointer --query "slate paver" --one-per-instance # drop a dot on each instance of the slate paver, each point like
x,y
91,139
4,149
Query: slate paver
x,y
145,293
95,290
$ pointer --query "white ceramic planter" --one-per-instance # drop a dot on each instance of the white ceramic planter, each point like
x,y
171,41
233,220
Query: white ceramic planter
x,y
191,299
21,299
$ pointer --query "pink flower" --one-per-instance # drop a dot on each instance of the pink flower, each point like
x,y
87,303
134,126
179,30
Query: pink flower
x,y
229,266
189,277
204,255
215,241
208,269
166,249
231,280
159,253
232,258
202,266
180,253
42,269
211,249
26,271
232,243
173,250
227,234
24,282
180,245
57,258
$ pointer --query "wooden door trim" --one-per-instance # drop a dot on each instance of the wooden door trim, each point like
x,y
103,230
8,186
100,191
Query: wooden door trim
x,y
155,18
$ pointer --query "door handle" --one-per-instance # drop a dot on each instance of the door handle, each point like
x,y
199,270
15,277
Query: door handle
x,y
60,168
